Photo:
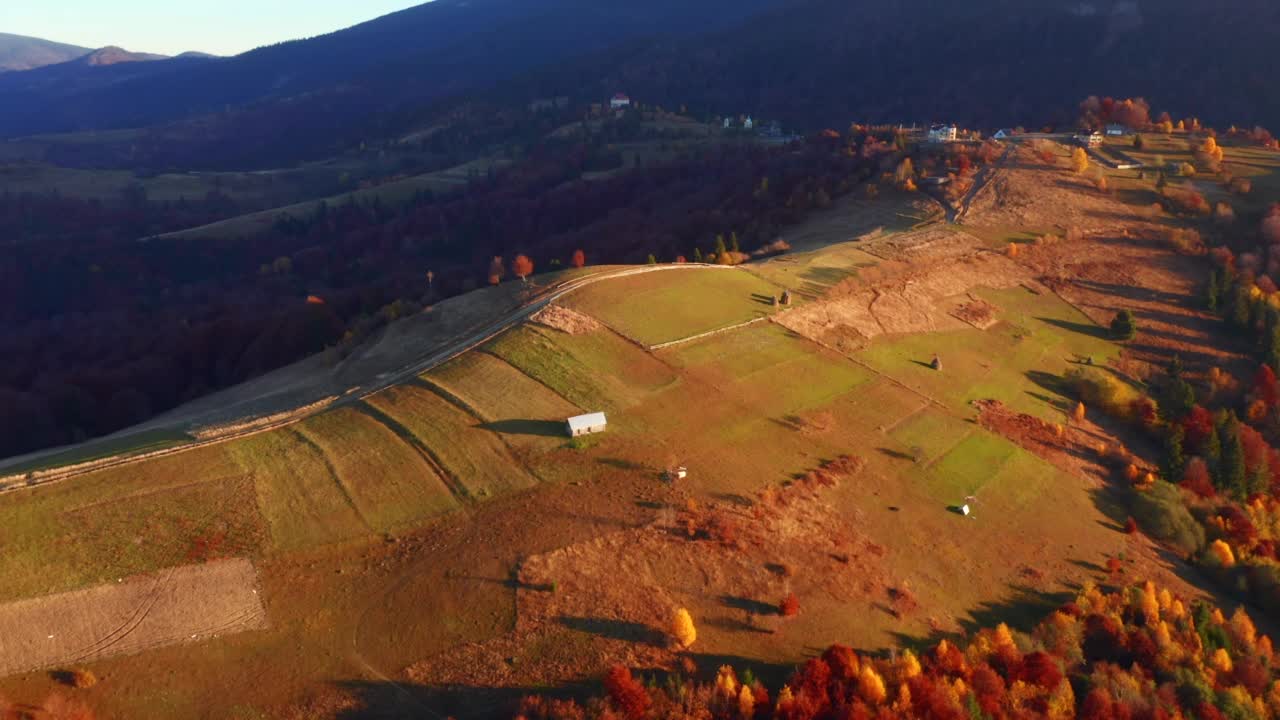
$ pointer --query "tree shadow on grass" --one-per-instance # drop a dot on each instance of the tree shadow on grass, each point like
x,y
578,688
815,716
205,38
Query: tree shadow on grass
x,y
1022,609
622,464
1087,329
388,700
632,632
755,607
895,454
539,428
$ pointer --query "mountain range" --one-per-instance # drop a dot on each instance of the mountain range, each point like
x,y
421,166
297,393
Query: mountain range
x,y
20,53
809,63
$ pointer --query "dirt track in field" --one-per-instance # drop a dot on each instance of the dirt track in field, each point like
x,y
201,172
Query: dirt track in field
x,y
183,604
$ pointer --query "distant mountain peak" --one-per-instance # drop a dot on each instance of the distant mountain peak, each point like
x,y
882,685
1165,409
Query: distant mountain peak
x,y
19,52
113,55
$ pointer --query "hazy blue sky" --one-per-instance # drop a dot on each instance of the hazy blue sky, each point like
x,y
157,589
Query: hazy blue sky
x,y
223,27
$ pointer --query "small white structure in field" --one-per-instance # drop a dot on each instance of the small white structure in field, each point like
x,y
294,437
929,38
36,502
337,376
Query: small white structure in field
x,y
673,474
964,510
587,424
620,102
748,123
1003,134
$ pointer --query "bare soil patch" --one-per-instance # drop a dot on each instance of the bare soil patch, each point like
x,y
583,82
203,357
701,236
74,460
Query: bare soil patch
x,y
182,604
924,287
978,313
1029,195
566,320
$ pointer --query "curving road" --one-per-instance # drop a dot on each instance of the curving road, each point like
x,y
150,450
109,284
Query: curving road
x,y
427,362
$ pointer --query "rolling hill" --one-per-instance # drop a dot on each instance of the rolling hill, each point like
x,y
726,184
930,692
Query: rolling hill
x,y
19,52
432,51
810,63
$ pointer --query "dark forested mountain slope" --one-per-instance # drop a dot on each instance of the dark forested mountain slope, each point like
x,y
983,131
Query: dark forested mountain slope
x,y
423,53
809,63
983,63
18,52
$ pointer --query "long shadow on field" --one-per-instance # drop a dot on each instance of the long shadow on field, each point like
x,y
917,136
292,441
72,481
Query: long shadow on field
x,y
615,630
400,701
540,428
1082,328
1022,609
755,607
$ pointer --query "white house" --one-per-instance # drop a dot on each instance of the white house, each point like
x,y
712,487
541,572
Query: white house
x,y
1117,130
587,424
943,133
620,101
748,123
1003,134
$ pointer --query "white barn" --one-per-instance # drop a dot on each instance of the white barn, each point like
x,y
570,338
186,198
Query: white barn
x,y
587,424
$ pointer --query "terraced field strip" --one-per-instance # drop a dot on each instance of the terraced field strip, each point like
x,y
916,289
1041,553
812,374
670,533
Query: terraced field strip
x,y
446,352
182,604
388,479
475,458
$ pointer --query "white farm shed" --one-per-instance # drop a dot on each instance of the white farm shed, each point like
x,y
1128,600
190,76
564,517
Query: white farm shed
x,y
587,424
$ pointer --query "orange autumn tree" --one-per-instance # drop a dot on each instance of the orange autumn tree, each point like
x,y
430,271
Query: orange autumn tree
x,y
522,267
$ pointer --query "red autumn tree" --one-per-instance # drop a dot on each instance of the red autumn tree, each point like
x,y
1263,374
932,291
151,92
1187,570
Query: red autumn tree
x,y
1264,386
522,267
1196,478
1198,426
626,693
579,259
496,270
790,606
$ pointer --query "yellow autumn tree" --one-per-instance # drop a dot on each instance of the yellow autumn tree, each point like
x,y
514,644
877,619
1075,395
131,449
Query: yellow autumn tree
x,y
1221,552
908,665
682,628
746,703
1062,702
1079,161
1079,413
1221,661
871,685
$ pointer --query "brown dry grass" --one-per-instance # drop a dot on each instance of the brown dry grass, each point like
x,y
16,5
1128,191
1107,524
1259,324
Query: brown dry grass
x,y
566,320
172,606
621,588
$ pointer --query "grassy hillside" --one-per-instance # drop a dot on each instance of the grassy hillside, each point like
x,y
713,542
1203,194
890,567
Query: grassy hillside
x,y
448,526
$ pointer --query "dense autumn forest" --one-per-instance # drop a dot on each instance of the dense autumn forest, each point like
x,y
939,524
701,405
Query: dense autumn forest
x,y
107,328
1136,653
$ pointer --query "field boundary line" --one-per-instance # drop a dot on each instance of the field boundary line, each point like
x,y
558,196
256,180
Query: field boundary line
x,y
709,333
485,333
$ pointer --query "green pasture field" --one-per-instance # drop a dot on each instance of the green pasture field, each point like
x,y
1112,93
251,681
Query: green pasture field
x,y
126,520
659,307
596,371
389,482
475,457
